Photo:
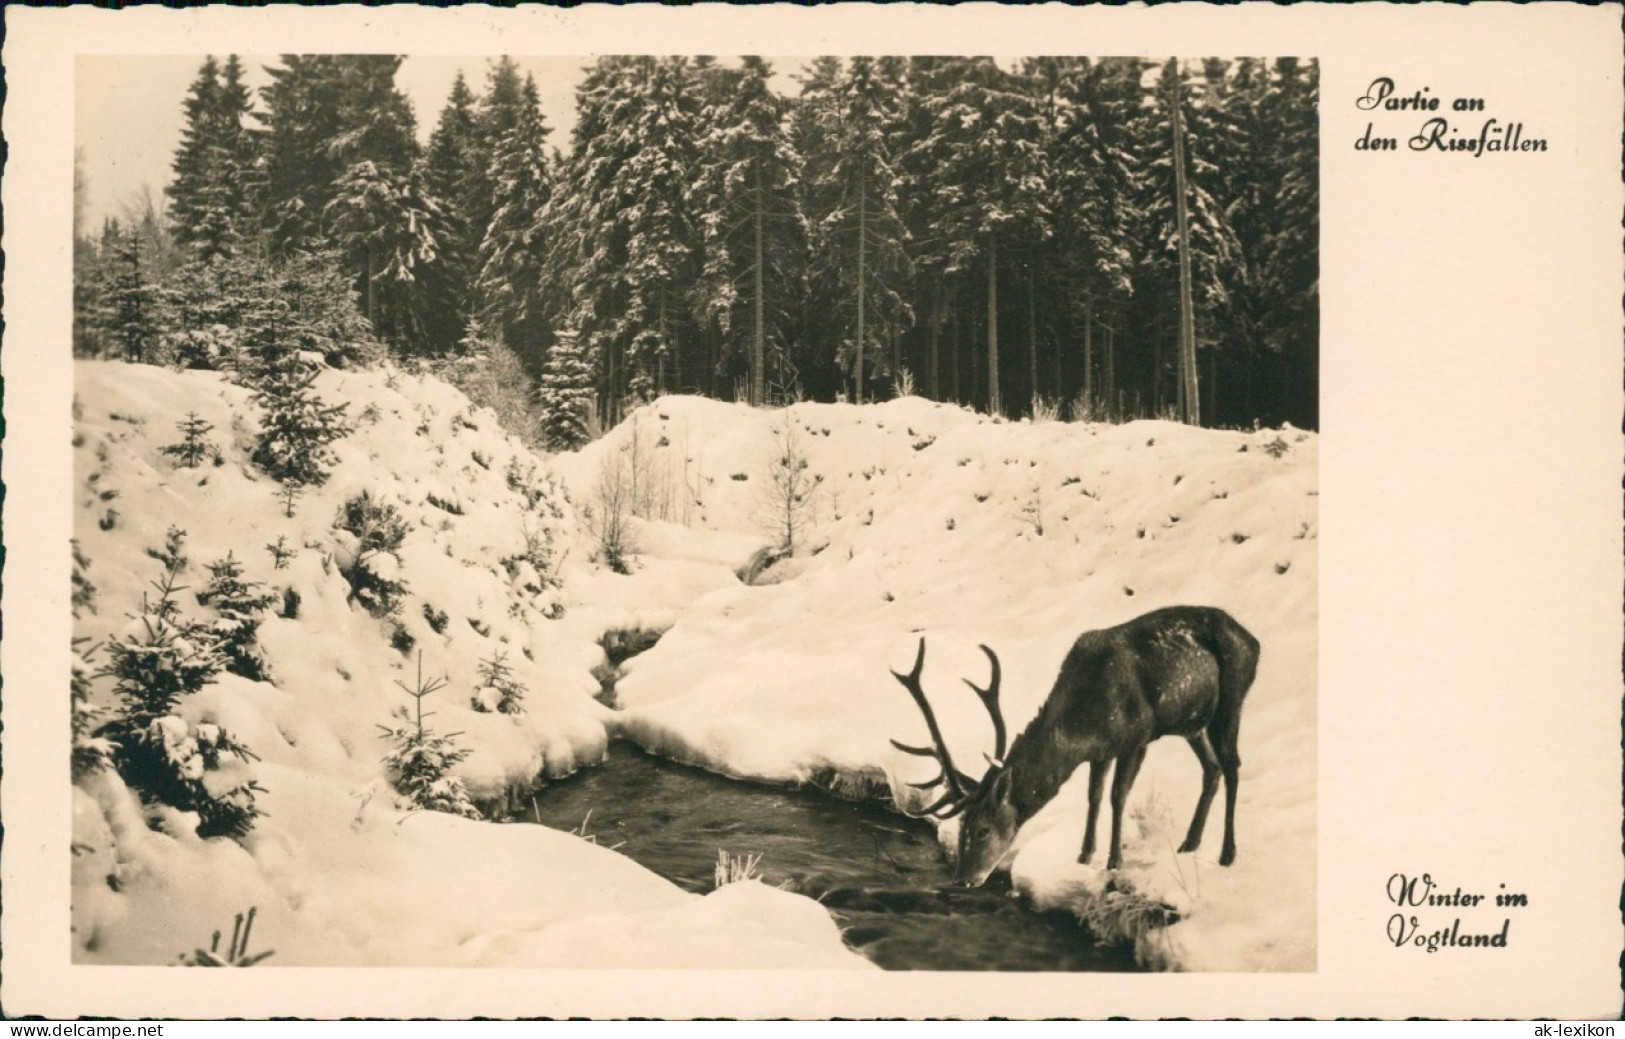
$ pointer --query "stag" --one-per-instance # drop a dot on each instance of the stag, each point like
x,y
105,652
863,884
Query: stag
x,y
1180,671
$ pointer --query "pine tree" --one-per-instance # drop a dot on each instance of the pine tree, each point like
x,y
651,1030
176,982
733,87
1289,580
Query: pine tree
x,y
1211,244
857,234
623,245
297,426
511,255
238,605
419,760
326,114
389,230
166,759
754,246
194,445
984,144
92,752
449,171
565,395
498,690
209,203
495,115
135,302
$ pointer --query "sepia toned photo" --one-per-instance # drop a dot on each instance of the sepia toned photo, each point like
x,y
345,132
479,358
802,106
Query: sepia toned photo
x,y
513,535
835,512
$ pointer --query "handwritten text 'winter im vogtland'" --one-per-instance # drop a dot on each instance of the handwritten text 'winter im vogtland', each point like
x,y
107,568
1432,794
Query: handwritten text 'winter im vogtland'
x,y
1431,931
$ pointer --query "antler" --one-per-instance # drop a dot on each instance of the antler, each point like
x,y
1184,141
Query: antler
x,y
959,785
990,700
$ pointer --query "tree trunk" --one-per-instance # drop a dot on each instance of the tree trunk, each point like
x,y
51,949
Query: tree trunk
x,y
1089,358
665,340
936,340
863,243
1189,398
757,349
993,327
1109,374
1032,335
953,313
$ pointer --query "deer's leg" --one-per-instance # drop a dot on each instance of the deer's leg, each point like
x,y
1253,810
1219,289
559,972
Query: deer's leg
x,y
1210,786
1230,764
1128,766
1097,785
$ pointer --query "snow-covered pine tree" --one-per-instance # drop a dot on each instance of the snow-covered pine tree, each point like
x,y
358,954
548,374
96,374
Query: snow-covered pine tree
x,y
983,144
754,246
238,605
512,251
663,241
135,302
449,176
1212,245
297,426
372,568
157,663
419,761
325,113
498,690
565,394
389,230
194,445
214,165
858,236
92,751
496,113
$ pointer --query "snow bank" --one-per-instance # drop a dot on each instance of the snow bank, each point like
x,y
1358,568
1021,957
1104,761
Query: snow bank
x,y
928,520
337,872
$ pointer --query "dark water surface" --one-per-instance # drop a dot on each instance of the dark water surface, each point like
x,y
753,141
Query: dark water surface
x,y
881,875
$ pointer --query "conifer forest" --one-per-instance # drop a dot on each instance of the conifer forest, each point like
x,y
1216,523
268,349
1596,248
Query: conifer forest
x,y
1097,239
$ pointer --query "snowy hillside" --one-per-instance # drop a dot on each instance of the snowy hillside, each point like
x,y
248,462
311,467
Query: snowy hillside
x,y
909,518
338,874
925,519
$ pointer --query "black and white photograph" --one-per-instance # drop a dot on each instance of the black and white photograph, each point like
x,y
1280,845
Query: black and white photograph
x,y
600,482
836,494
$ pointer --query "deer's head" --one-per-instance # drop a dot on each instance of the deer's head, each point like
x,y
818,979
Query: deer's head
x,y
989,825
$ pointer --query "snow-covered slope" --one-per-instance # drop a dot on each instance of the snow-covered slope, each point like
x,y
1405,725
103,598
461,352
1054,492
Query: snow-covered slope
x,y
338,874
918,519
927,520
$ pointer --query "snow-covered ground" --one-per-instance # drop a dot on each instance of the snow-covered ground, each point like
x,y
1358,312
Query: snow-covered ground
x,y
921,519
929,520
337,873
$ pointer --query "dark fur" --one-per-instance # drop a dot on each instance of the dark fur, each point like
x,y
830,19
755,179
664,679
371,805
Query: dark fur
x,y
1180,671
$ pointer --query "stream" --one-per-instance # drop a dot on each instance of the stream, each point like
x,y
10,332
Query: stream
x,y
881,875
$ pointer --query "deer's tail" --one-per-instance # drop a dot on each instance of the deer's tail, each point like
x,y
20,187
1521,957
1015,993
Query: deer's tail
x,y
1236,650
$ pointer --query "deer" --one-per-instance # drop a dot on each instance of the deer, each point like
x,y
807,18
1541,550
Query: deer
x,y
1178,671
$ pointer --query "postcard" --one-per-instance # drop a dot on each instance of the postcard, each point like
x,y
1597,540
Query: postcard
x,y
853,511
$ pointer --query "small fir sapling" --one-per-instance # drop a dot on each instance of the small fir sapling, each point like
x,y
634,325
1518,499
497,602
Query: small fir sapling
x,y
498,690
297,426
418,759
236,954
194,446
280,552
288,495
159,662
84,592
373,571
92,752
173,554
788,496
239,604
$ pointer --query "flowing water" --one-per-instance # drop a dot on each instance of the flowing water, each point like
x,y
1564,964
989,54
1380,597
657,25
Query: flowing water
x,y
882,876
